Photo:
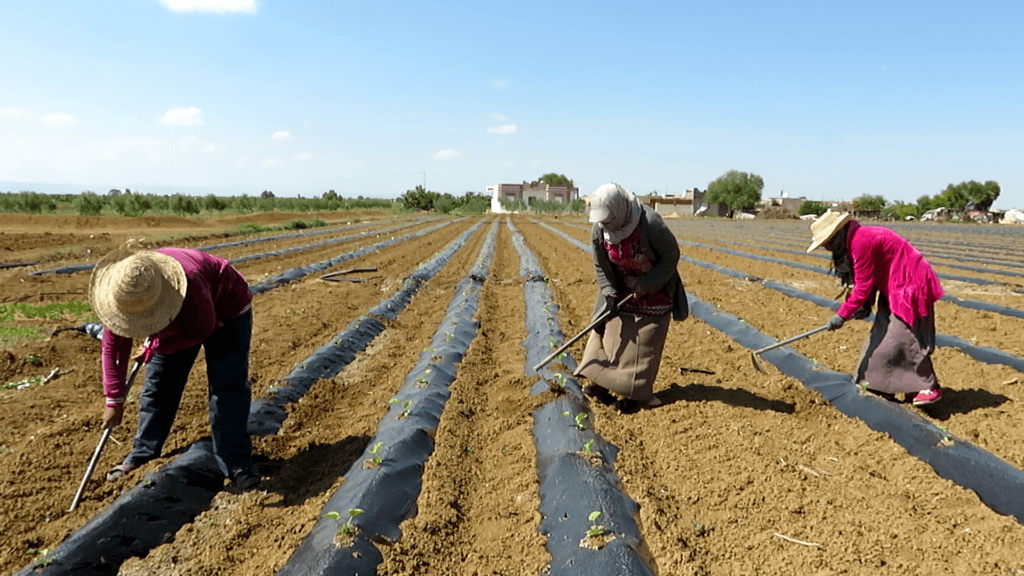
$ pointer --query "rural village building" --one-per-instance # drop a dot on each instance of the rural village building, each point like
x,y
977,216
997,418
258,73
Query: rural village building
x,y
529,192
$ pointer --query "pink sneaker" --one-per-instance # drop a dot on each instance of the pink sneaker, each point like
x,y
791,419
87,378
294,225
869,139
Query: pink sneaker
x,y
929,396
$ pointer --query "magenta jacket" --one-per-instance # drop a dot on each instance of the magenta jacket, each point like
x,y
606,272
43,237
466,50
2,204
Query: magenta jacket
x,y
216,293
884,260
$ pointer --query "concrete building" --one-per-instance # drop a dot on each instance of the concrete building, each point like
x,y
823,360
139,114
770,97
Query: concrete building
x,y
530,192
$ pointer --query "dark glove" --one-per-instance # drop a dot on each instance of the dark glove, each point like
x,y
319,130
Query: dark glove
x,y
836,321
611,304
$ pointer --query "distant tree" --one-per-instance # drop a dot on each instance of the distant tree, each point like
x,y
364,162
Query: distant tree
x,y
556,179
114,192
983,195
868,202
900,210
444,203
330,195
214,204
267,194
89,204
184,205
737,190
812,207
418,199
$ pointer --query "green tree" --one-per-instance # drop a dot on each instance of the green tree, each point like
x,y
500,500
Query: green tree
x,y
330,195
89,204
184,205
973,191
811,207
899,211
737,190
556,179
418,199
214,204
868,202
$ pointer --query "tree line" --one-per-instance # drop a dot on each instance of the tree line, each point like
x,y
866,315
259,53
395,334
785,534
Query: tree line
x,y
742,191
135,204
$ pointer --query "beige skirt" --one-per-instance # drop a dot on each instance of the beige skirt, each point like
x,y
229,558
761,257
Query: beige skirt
x,y
897,357
625,360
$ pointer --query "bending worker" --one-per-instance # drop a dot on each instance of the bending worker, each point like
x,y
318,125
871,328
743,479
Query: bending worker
x,y
634,253
180,300
877,261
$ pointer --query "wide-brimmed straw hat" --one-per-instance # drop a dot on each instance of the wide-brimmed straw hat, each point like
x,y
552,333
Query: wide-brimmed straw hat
x,y
825,227
136,293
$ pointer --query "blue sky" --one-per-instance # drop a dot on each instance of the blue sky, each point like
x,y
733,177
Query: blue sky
x,y
822,99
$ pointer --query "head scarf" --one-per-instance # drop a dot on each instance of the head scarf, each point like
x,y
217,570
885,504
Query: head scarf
x,y
616,210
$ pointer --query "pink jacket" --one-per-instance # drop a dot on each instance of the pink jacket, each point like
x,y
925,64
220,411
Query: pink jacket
x,y
884,260
216,293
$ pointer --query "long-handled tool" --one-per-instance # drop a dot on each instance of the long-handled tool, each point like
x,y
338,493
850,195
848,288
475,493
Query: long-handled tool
x,y
600,319
756,353
99,447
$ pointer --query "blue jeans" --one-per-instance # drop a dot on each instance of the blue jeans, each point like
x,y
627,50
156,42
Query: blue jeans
x,y
227,370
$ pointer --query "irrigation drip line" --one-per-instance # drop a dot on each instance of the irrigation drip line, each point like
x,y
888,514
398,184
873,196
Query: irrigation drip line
x,y
167,499
572,486
83,267
997,483
386,480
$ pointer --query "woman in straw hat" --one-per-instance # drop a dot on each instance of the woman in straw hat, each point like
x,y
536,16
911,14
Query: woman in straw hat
x,y
876,261
634,253
180,300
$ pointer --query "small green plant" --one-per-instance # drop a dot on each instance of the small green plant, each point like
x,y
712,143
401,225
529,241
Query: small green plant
x,y
406,409
4,449
394,401
271,389
44,558
22,384
376,448
559,379
33,360
448,336
148,483
588,446
579,420
346,529
594,531
566,413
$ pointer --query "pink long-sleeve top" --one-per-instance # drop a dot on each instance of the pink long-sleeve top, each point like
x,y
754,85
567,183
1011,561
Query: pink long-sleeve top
x,y
884,260
216,293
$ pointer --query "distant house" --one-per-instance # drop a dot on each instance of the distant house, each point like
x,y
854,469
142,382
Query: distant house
x,y
530,192
678,204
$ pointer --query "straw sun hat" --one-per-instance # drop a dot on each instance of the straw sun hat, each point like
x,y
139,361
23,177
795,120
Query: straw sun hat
x,y
824,228
136,293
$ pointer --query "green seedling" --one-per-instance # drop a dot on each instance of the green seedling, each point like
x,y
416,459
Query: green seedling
x,y
559,378
594,531
579,420
302,365
469,451
406,408
448,336
21,384
346,529
376,448
566,413
394,401
272,389
44,558
428,349
33,360
421,381
588,446
148,483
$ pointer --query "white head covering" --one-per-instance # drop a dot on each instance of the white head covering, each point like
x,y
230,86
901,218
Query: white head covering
x,y
616,210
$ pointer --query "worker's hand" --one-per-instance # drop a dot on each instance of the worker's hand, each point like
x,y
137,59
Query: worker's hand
x,y
611,303
112,415
146,353
639,292
836,321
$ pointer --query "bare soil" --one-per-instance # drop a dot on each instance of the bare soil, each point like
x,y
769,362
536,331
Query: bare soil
x,y
737,473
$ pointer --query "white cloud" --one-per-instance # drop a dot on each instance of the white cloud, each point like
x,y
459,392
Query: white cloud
x,y
301,157
213,148
59,119
13,112
242,162
281,136
218,6
448,153
499,117
181,116
272,162
506,129
501,83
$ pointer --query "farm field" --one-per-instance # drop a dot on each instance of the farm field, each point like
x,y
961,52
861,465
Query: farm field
x,y
737,473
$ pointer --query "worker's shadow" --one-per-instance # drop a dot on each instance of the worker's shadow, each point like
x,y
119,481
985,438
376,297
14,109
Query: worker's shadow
x,y
731,396
962,401
311,472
